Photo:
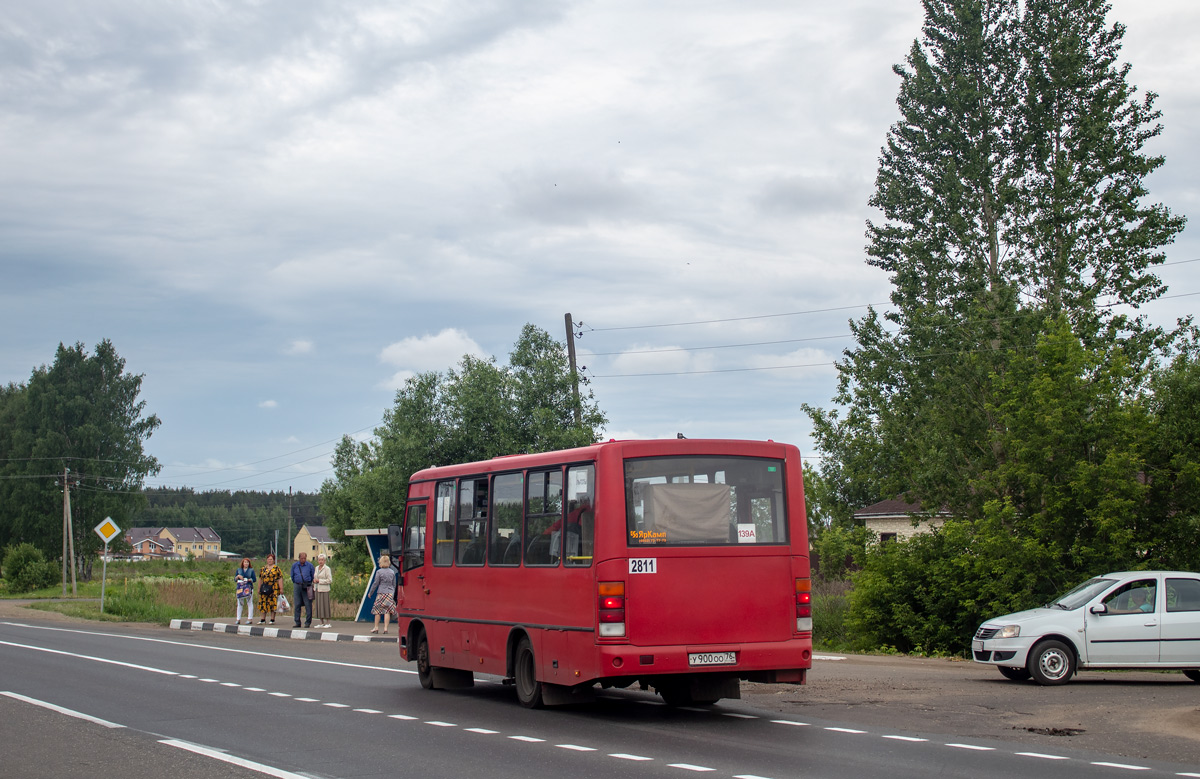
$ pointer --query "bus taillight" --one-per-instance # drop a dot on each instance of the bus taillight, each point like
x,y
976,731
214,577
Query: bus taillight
x,y
611,602
803,605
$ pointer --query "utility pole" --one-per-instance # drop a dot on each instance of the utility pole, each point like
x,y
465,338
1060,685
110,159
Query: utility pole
x,y
574,372
68,536
289,538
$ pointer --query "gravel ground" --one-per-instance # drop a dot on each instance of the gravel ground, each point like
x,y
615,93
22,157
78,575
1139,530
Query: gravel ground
x,y
1152,715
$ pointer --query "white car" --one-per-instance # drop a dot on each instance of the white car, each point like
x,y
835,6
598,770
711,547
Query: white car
x,y
1130,619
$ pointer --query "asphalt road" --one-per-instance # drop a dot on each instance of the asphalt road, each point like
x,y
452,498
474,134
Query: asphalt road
x,y
190,704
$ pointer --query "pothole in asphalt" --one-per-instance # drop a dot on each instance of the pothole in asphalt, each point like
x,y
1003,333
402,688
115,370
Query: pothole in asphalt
x,y
1056,731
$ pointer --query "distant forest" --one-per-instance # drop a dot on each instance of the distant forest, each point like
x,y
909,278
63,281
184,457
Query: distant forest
x,y
246,521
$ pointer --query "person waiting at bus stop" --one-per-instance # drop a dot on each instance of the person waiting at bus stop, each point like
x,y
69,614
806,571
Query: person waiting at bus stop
x,y
383,587
302,589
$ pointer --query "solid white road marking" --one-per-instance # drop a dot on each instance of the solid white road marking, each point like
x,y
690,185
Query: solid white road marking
x,y
261,768
134,666
61,710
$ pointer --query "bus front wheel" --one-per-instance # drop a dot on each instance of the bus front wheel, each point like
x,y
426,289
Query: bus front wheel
x,y
529,689
424,670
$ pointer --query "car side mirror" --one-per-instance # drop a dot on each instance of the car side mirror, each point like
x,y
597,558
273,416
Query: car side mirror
x,y
1099,608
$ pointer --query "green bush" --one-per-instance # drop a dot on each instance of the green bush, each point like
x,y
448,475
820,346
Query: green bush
x,y
929,593
26,569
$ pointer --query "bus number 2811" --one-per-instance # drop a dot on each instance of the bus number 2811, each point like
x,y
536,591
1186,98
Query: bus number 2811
x,y
643,565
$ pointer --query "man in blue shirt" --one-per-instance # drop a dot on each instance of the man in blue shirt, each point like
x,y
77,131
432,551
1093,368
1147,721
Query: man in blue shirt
x,y
302,582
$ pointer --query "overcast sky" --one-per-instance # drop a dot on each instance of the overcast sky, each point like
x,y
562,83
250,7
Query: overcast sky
x,y
277,211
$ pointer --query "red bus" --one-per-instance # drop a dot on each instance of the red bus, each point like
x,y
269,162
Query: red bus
x,y
679,565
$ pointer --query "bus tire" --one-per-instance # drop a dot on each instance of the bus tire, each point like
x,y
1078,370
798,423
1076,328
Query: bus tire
x,y
1194,675
529,689
424,669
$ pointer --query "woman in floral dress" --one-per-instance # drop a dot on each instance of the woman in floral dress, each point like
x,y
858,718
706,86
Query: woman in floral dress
x,y
268,589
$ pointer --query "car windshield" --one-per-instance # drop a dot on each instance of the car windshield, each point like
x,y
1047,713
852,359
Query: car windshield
x,y
1081,594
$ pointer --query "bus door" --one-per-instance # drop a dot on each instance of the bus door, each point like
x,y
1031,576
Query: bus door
x,y
413,589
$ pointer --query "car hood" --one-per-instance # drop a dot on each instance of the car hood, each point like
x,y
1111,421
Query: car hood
x,y
1030,615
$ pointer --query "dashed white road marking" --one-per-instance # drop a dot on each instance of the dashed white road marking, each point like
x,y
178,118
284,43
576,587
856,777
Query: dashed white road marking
x,y
230,684
337,705
735,715
527,739
1123,765
575,747
689,767
400,716
790,722
309,700
623,756
369,711
484,731
437,723
845,730
280,695
975,747
254,689
1042,756
906,738
748,776
208,681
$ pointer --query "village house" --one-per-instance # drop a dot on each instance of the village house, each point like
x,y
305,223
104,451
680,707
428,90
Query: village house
x,y
893,520
174,543
313,540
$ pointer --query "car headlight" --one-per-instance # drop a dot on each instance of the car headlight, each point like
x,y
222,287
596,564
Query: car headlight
x,y
1008,631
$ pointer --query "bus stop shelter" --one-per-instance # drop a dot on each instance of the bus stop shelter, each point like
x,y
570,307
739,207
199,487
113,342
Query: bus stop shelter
x,y
377,544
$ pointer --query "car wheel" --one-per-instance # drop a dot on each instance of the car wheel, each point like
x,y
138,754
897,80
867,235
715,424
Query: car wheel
x,y
1193,675
1051,662
529,689
424,670
1015,674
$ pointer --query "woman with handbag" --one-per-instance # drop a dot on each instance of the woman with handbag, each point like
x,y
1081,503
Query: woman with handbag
x,y
383,587
268,590
245,578
323,581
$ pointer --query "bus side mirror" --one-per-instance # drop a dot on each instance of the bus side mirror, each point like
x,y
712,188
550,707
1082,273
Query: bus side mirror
x,y
395,540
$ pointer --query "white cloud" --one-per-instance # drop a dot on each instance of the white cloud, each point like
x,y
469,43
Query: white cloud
x,y
431,352
299,346
268,404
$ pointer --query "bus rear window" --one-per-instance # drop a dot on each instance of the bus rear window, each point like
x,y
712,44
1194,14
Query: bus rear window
x,y
704,501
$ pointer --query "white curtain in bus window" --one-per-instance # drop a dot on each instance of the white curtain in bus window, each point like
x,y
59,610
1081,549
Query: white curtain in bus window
x,y
683,513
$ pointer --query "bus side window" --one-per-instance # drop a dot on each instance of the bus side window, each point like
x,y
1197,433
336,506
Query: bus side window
x,y
543,517
470,540
504,533
581,517
443,524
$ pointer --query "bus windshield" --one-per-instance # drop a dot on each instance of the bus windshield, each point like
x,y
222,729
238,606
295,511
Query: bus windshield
x,y
704,501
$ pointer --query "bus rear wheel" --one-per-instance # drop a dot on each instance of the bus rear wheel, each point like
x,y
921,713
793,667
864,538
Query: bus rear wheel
x,y
424,670
529,689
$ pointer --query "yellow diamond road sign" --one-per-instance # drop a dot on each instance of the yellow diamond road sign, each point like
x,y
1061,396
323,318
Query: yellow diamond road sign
x,y
107,529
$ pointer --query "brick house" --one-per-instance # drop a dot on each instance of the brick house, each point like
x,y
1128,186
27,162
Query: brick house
x,y
174,542
893,519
